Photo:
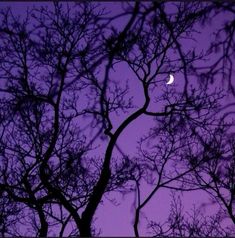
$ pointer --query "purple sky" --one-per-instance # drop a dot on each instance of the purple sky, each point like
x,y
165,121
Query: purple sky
x,y
118,220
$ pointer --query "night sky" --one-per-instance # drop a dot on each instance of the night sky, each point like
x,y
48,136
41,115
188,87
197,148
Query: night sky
x,y
115,216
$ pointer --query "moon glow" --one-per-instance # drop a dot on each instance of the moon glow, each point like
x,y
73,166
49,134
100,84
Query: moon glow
x,y
171,79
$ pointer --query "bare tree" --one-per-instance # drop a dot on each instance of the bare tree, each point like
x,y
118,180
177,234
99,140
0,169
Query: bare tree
x,y
59,99
218,61
162,151
39,146
190,224
216,176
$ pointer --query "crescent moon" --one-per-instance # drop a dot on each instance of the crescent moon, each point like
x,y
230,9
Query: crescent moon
x,y
171,79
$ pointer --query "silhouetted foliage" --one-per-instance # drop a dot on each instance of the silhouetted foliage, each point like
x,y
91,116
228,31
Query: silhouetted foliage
x,y
190,224
65,104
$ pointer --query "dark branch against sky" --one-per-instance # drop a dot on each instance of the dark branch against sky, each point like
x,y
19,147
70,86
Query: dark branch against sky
x,y
92,139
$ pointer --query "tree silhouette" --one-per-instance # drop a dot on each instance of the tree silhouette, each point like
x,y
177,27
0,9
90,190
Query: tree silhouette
x,y
190,224
65,107
216,175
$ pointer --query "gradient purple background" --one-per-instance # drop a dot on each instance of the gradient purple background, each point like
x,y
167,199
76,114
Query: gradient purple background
x,y
118,220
